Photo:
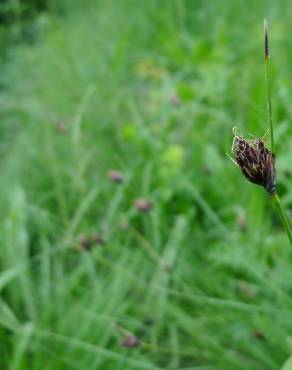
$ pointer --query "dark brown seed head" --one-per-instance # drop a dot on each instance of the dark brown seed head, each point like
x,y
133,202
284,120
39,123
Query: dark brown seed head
x,y
259,334
87,242
175,101
125,225
143,205
256,162
115,176
84,242
130,341
97,240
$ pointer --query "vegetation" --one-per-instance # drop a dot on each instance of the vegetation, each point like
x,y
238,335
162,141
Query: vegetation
x,y
171,261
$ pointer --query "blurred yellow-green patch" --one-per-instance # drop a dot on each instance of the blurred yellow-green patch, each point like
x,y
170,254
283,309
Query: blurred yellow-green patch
x,y
147,68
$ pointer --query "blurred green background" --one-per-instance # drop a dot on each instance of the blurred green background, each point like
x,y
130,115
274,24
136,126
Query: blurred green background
x,y
197,273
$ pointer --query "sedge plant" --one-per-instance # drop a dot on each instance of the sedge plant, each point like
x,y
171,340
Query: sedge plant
x,y
255,160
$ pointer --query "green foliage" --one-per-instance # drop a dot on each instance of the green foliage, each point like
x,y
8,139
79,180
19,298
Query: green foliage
x,y
17,20
152,89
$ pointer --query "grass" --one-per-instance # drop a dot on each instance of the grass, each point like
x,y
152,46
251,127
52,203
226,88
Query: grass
x,y
210,264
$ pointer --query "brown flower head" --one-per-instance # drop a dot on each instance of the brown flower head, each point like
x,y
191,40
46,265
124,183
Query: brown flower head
x,y
87,242
175,101
97,239
256,162
115,176
84,242
143,205
130,341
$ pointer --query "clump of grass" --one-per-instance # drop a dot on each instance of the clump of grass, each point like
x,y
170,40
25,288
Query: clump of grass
x,y
256,162
58,301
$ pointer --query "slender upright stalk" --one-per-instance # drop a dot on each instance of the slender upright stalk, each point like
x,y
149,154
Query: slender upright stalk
x,y
274,195
268,89
283,216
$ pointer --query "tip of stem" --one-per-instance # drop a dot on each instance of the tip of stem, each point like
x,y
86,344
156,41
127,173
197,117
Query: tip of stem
x,y
267,51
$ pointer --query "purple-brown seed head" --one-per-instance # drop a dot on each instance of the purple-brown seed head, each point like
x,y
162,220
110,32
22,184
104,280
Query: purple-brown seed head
x,y
256,162
130,341
143,205
115,176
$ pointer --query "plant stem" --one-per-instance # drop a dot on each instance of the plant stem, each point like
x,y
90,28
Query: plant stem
x,y
283,216
268,89
275,196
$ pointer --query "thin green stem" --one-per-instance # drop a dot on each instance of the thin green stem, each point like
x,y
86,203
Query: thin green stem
x,y
275,197
268,89
283,216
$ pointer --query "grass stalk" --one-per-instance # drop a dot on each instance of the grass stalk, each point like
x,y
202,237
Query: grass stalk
x,y
274,196
268,88
283,216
